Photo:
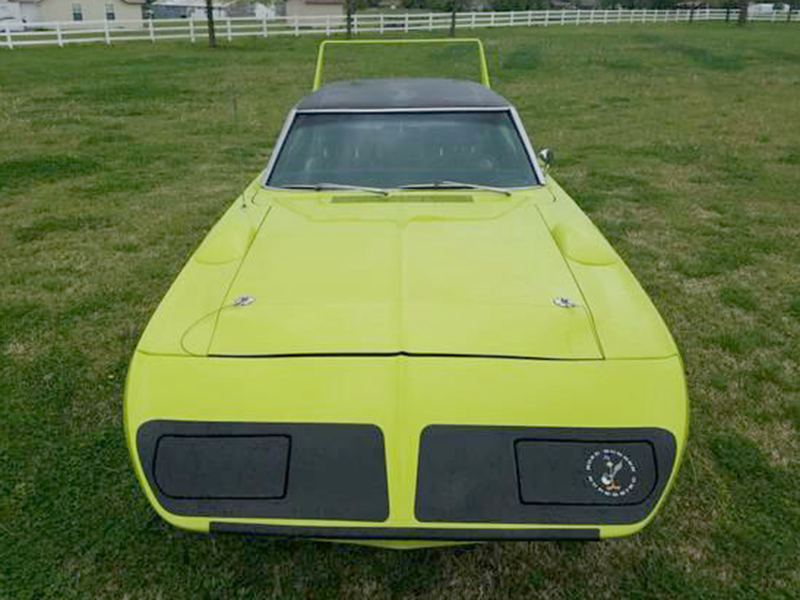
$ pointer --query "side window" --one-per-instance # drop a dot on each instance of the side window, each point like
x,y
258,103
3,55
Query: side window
x,y
110,15
77,12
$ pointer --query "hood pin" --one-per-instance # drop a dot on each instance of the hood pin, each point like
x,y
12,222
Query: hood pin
x,y
563,302
244,301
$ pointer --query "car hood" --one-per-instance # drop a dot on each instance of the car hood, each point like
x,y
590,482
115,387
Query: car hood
x,y
463,277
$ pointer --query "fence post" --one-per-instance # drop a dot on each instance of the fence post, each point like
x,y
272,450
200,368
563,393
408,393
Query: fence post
x,y
471,23
578,17
58,35
106,32
430,21
191,30
296,26
152,30
9,43
563,16
491,19
546,18
228,27
381,23
405,24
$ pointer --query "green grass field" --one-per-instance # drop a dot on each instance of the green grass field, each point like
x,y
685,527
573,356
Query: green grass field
x,y
682,143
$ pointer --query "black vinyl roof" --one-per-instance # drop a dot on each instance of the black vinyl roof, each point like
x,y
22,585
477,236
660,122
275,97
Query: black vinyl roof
x,y
376,94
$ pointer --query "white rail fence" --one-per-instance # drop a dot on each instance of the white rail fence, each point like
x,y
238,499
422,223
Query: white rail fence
x,y
112,32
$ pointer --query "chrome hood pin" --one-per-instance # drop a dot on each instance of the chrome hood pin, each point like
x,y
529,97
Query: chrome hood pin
x,y
244,301
563,302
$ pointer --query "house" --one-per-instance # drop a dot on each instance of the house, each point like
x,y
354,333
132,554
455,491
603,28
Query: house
x,y
36,11
10,16
758,9
313,8
196,9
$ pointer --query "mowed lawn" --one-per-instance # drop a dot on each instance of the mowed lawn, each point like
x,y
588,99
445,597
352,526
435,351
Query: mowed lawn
x,y
683,144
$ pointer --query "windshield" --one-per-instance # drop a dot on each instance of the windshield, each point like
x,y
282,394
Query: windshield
x,y
391,150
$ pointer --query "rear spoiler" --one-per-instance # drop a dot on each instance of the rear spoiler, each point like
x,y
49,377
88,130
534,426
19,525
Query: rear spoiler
x,y
476,41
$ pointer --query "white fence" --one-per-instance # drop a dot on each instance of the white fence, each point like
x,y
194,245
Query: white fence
x,y
111,32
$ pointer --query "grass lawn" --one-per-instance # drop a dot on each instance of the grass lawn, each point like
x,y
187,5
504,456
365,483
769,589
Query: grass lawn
x,y
683,144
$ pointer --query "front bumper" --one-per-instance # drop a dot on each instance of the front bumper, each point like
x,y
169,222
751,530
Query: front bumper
x,y
419,449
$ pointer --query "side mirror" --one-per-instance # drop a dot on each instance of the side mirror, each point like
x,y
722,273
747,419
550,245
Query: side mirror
x,y
546,156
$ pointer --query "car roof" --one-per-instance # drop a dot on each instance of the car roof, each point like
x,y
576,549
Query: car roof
x,y
393,94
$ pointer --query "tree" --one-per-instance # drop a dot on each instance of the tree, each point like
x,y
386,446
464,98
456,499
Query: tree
x,y
742,11
147,9
212,34
455,5
239,8
350,8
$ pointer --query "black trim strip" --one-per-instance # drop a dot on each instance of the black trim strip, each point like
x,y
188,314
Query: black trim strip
x,y
402,353
406,533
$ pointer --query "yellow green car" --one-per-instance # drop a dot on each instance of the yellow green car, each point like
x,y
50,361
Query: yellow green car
x,y
404,333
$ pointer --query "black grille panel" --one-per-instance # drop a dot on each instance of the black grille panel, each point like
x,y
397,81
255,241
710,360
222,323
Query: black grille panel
x,y
213,467
485,474
262,470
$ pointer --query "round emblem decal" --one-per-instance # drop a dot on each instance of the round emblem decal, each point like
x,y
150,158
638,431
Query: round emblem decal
x,y
611,473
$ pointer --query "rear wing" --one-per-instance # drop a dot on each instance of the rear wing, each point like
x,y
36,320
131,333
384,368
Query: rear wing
x,y
475,41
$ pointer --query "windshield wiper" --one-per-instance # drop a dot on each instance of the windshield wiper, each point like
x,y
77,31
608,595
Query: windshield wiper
x,y
318,187
454,185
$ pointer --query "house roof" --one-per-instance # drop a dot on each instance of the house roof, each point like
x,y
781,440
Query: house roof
x,y
374,94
